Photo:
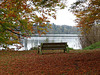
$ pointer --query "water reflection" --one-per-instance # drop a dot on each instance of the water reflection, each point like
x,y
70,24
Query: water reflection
x,y
71,39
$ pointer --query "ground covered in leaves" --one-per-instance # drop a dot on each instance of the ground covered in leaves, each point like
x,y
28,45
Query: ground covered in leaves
x,y
31,63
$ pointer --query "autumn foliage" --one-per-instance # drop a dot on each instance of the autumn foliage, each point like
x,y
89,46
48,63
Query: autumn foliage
x,y
29,63
22,18
87,12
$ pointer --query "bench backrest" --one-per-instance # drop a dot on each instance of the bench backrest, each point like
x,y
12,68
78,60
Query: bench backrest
x,y
53,46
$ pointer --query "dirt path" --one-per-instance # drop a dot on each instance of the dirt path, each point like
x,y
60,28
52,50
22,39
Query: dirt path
x,y
51,64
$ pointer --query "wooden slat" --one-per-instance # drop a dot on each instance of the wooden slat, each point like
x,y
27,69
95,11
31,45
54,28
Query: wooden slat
x,y
54,43
53,48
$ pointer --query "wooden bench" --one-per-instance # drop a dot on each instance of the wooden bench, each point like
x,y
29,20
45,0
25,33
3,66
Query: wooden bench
x,y
53,46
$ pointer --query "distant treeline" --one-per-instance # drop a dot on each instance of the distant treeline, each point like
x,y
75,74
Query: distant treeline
x,y
63,29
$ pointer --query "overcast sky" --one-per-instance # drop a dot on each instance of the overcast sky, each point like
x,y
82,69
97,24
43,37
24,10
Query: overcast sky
x,y
65,17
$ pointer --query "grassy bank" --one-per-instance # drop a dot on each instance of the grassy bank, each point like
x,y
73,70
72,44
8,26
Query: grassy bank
x,y
93,46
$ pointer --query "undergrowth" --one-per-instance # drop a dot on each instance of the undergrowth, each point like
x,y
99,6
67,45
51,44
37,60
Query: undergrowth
x,y
93,46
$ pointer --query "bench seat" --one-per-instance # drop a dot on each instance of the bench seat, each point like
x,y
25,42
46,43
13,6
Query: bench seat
x,y
52,46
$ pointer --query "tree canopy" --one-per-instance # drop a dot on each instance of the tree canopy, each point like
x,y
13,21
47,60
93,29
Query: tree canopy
x,y
87,12
20,17
88,20
63,29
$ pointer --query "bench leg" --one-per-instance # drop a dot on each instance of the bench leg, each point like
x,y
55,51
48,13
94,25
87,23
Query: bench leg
x,y
40,51
67,50
64,50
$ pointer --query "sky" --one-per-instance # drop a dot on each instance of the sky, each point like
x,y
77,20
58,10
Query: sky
x,y
65,17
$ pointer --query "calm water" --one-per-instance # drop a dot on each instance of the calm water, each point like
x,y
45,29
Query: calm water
x,y
71,39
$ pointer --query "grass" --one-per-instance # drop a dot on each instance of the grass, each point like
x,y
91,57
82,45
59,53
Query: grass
x,y
70,48
93,46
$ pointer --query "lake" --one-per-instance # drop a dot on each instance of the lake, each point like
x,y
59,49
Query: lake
x,y
71,39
